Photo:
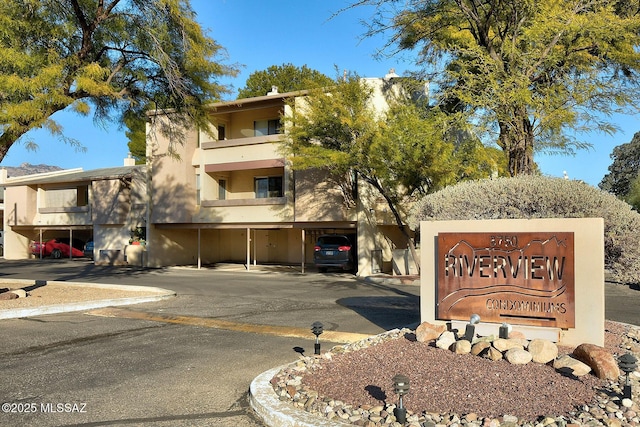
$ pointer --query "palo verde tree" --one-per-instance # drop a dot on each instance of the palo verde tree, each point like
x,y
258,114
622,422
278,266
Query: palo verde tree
x,y
112,57
402,152
533,73
286,77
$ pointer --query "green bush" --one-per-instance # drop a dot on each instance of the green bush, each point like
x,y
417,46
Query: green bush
x,y
542,197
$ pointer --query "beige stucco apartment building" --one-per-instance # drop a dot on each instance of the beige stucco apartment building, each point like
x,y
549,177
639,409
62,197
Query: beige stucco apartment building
x,y
227,197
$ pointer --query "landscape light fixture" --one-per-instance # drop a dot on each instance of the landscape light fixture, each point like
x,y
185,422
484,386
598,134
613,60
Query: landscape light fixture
x,y
627,363
504,331
317,329
470,330
401,387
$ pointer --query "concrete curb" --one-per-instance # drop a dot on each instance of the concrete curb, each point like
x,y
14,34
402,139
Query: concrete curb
x,y
151,294
275,413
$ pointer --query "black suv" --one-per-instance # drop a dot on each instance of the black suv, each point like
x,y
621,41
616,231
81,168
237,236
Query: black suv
x,y
333,250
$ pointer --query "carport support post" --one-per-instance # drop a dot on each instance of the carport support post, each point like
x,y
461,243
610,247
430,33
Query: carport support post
x,y
248,249
199,254
303,250
41,243
70,244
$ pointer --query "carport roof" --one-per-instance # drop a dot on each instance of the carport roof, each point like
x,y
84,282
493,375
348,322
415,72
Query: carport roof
x,y
76,176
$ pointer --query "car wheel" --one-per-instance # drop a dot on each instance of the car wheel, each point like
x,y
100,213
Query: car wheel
x,y
56,254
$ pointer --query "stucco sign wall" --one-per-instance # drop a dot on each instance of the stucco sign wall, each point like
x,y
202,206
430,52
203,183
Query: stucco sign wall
x,y
544,277
523,278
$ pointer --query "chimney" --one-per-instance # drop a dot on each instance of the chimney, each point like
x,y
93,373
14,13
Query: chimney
x,y
274,90
129,161
391,75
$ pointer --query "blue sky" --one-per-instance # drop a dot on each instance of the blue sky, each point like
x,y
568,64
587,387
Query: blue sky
x,y
260,33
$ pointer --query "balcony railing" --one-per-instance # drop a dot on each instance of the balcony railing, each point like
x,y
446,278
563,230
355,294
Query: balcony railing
x,y
244,202
252,140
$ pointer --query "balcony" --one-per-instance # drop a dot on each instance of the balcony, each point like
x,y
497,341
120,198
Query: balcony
x,y
237,142
269,201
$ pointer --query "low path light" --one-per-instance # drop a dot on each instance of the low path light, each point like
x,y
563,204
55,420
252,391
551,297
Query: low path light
x,y
401,387
627,363
470,330
504,331
317,329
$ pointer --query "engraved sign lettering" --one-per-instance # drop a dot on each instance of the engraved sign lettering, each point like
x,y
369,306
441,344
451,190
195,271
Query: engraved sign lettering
x,y
518,278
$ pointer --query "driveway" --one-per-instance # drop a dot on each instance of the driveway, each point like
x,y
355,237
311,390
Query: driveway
x,y
128,370
167,363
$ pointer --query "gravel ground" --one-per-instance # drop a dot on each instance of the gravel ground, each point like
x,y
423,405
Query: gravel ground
x,y
445,387
444,382
59,293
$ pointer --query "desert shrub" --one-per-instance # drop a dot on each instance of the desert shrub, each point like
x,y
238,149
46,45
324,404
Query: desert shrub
x,y
543,197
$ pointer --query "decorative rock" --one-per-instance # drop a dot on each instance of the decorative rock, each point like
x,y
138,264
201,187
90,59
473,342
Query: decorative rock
x,y
493,354
568,365
428,332
462,347
542,351
480,347
627,403
518,356
445,340
516,335
502,344
509,419
8,296
21,293
291,390
599,359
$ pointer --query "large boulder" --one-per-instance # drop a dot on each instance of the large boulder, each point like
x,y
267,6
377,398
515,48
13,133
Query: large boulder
x,y
602,362
542,351
462,347
569,365
517,356
446,340
428,332
502,344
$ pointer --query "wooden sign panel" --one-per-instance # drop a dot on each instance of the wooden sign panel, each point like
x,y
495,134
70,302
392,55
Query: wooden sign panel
x,y
517,278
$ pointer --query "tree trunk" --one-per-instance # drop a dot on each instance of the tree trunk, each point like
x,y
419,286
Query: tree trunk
x,y
4,149
398,218
517,142
7,139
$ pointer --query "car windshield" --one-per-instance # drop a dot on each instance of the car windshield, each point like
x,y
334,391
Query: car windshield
x,y
333,240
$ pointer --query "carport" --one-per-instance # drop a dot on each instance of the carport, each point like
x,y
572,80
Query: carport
x,y
258,241
45,233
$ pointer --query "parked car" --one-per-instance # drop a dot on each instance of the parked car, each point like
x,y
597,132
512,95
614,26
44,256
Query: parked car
x,y
58,248
88,249
333,250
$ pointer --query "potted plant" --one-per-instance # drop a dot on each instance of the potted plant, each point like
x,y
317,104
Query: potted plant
x,y
138,236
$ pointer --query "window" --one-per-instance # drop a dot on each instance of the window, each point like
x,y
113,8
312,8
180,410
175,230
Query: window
x,y
221,133
268,187
222,189
266,127
66,197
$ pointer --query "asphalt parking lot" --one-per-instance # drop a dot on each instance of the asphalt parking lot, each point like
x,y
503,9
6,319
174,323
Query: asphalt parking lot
x,y
122,371
86,369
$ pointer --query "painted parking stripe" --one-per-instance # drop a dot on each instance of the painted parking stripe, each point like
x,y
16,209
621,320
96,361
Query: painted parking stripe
x,y
282,331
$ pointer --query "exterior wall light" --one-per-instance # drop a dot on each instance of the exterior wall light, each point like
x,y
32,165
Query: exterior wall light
x,y
627,363
470,330
317,329
401,387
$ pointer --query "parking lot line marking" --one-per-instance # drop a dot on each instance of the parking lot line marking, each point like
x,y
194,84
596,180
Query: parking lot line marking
x,y
207,322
